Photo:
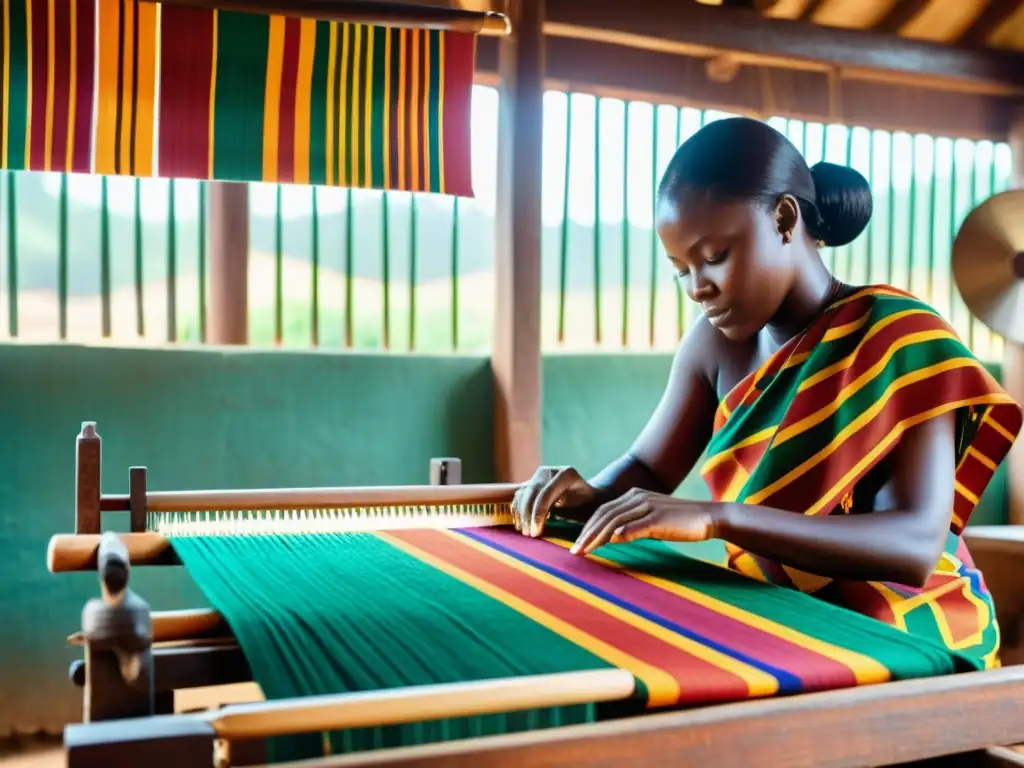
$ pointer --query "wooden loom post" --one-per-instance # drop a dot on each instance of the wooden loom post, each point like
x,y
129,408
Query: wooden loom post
x,y
516,359
229,263
88,456
1013,357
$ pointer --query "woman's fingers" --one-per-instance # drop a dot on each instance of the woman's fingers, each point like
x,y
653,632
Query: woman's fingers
x,y
598,532
522,503
546,499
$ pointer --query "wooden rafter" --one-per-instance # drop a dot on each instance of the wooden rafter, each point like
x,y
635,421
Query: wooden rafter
x,y
901,13
695,29
808,12
994,14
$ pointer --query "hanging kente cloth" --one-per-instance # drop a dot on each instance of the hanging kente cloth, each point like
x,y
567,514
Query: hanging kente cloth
x,y
329,613
804,432
146,89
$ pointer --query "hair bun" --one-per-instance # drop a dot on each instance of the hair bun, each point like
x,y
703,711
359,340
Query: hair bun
x,y
843,202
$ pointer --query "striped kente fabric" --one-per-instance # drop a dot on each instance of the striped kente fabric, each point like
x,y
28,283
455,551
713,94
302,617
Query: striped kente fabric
x,y
125,87
805,429
329,613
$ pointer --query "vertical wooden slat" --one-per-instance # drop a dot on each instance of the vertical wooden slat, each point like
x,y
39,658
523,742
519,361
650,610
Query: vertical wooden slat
x,y
104,251
972,200
413,267
890,259
140,313
625,224
1013,354
315,288
349,261
62,256
679,288
912,215
932,205
516,361
652,310
563,256
202,262
597,220
386,268
278,266
455,274
229,262
11,220
172,264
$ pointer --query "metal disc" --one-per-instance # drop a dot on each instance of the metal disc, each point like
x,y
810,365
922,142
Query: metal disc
x,y
988,264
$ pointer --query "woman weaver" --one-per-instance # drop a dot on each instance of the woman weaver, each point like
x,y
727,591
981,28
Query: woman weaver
x,y
848,432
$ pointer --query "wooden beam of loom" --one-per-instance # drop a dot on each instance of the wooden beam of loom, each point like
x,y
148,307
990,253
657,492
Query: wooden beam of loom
x,y
695,29
885,724
317,498
381,14
881,724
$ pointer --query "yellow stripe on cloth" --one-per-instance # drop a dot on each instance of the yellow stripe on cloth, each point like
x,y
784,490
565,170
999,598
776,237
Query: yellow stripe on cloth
x,y
662,687
865,669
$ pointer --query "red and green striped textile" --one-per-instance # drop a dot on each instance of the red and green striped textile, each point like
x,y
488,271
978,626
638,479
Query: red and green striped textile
x,y
138,88
356,612
800,433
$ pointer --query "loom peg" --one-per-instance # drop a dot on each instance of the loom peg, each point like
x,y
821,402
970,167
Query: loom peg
x,y
75,552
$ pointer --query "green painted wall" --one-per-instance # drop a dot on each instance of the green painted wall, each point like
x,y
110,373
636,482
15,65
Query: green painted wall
x,y
197,419
208,418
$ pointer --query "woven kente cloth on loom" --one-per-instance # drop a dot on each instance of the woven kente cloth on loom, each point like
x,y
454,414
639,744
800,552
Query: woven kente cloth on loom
x,y
145,89
328,613
804,432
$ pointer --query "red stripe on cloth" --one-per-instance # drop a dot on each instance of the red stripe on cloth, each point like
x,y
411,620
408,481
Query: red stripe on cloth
x,y
286,104
698,680
806,490
459,66
826,391
85,41
815,671
62,74
39,68
186,50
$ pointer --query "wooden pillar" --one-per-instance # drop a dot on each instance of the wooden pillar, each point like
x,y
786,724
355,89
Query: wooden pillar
x,y
516,358
1013,357
228,246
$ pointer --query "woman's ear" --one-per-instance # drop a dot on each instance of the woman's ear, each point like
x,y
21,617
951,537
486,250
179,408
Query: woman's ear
x,y
787,213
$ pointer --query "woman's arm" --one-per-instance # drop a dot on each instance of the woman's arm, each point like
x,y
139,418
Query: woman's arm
x,y
679,428
901,542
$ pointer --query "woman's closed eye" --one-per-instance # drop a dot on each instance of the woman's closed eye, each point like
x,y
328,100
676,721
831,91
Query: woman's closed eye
x,y
718,257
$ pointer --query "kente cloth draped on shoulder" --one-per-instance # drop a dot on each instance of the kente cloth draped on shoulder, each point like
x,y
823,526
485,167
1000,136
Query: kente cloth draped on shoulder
x,y
355,612
805,431
146,89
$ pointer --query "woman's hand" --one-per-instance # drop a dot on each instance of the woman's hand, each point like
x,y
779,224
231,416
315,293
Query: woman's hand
x,y
560,488
640,514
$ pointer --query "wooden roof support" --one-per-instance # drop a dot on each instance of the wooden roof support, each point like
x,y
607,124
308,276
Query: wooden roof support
x,y
691,28
228,237
515,359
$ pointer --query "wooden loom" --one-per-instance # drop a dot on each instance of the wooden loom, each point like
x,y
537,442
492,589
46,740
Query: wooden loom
x,y
135,660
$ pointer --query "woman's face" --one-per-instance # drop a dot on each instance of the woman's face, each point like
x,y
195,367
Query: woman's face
x,y
730,258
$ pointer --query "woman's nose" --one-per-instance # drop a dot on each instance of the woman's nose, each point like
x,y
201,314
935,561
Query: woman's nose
x,y
702,288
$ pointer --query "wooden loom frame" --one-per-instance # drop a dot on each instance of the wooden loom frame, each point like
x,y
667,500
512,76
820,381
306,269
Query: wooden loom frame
x,y
130,718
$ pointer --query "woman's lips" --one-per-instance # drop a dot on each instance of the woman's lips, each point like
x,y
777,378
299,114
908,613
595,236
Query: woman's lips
x,y
716,315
